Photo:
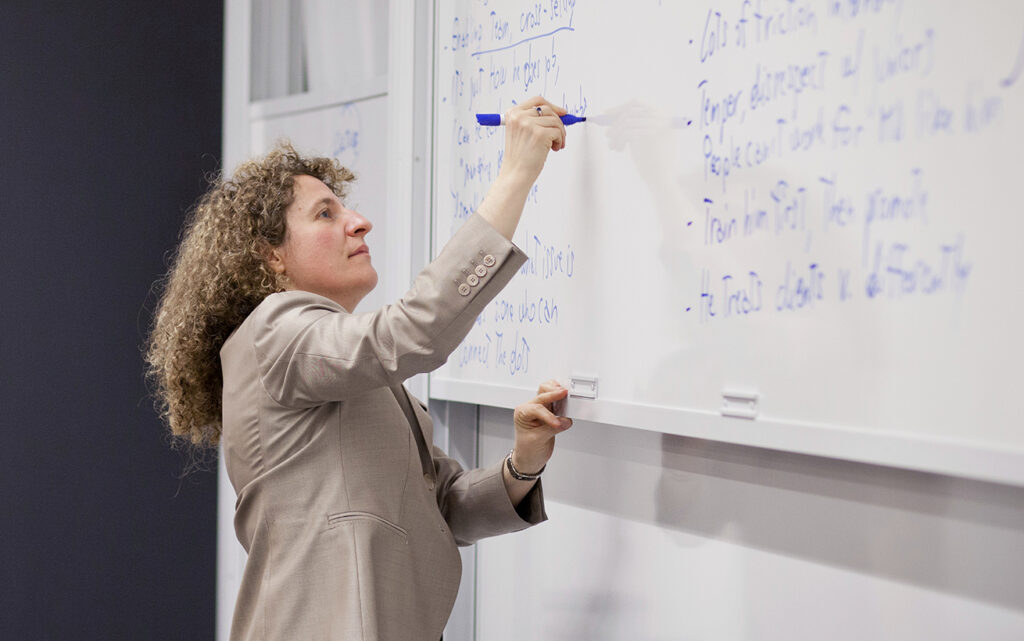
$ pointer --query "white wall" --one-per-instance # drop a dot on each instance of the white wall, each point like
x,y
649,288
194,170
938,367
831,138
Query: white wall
x,y
656,536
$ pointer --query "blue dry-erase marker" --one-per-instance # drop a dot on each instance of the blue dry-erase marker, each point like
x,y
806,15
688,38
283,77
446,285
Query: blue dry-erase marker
x,y
497,120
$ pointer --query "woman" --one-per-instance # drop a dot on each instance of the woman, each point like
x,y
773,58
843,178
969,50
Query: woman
x,y
349,516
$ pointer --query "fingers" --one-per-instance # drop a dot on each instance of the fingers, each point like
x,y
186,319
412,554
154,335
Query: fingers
x,y
541,409
539,101
547,115
549,386
532,130
535,415
555,123
557,406
538,108
547,398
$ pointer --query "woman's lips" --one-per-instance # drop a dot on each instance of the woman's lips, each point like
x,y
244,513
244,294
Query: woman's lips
x,y
362,250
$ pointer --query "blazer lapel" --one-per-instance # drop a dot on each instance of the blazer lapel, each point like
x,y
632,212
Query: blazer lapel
x,y
417,417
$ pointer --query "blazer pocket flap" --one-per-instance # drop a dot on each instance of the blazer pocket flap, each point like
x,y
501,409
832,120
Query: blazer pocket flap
x,y
352,518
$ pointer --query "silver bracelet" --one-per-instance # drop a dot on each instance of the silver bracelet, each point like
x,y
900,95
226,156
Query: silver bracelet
x,y
516,474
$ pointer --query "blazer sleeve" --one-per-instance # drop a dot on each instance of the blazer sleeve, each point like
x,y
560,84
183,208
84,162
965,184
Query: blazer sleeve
x,y
476,505
310,350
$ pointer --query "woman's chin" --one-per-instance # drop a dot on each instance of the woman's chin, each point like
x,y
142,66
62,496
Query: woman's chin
x,y
372,280
368,284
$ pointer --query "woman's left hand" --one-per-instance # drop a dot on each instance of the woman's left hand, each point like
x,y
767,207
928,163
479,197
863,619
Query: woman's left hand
x,y
536,426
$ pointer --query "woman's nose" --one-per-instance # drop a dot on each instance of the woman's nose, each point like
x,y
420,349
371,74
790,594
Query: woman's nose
x,y
357,224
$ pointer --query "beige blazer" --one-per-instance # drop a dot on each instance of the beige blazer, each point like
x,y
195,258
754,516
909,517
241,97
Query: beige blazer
x,y
349,520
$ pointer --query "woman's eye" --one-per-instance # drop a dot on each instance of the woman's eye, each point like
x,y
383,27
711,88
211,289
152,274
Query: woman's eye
x,y
324,214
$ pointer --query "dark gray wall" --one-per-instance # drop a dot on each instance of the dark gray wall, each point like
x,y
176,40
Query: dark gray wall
x,y
109,118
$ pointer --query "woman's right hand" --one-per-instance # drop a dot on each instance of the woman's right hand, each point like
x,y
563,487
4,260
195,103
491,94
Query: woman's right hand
x,y
532,129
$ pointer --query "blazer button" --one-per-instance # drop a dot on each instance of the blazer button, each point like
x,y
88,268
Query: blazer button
x,y
464,289
481,271
489,260
472,280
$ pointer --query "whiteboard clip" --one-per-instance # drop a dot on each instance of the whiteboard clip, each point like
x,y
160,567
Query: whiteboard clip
x,y
739,404
583,386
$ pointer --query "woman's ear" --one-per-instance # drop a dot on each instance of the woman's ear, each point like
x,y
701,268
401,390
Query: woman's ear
x,y
275,258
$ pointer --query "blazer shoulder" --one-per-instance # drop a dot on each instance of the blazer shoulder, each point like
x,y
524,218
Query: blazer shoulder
x,y
294,301
281,312
288,311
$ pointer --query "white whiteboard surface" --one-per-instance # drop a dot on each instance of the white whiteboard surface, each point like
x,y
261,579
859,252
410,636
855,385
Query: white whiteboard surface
x,y
814,203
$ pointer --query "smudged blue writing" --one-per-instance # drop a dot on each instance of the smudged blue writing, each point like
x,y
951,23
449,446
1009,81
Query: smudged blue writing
x,y
903,59
933,114
800,289
982,110
837,209
345,141
898,273
883,206
1018,68
846,10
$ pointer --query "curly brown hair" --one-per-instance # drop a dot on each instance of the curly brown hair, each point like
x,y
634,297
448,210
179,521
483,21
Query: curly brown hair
x,y
217,277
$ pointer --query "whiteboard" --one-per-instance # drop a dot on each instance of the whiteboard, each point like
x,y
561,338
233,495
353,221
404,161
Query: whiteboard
x,y
788,224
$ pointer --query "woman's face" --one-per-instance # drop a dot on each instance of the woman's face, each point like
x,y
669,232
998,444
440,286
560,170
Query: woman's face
x,y
324,250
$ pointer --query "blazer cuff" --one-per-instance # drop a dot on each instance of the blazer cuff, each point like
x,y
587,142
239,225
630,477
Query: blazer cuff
x,y
479,246
530,510
484,509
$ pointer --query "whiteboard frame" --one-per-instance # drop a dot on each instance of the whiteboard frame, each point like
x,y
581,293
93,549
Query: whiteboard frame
x,y
952,457
354,92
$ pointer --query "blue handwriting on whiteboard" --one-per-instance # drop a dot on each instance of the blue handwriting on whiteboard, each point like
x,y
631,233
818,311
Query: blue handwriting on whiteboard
x,y
845,10
800,288
887,207
547,260
514,358
899,272
477,353
540,310
754,23
904,59
742,297
1018,68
